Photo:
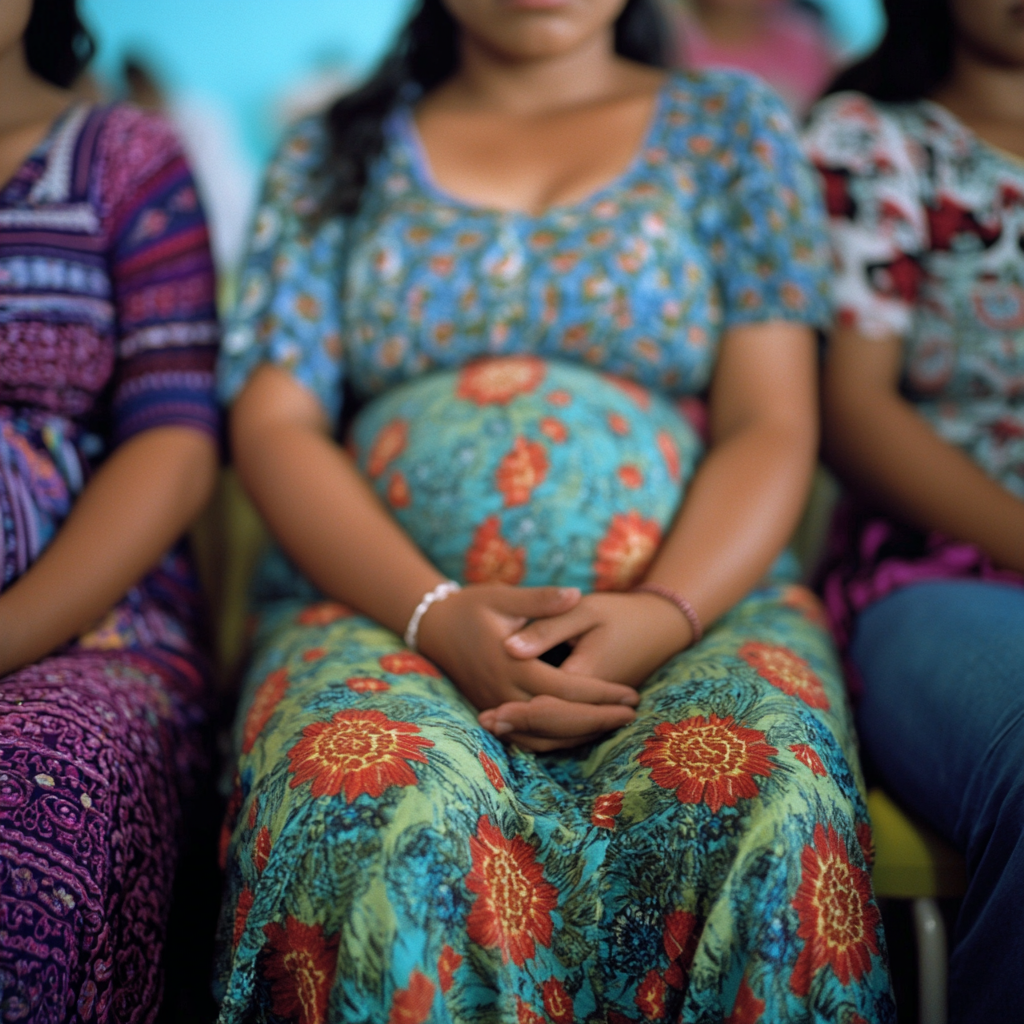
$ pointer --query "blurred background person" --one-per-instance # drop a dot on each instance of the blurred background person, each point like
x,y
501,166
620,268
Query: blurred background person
x,y
786,44
108,430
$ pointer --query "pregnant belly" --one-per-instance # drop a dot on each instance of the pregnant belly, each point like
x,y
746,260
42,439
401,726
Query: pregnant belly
x,y
522,471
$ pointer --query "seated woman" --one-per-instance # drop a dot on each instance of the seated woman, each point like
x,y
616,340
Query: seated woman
x,y
516,249
108,424
924,415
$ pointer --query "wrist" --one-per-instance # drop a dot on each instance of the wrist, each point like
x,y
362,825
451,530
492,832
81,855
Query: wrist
x,y
670,631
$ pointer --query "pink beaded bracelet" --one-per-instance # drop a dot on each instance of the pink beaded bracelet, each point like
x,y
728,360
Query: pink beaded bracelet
x,y
679,601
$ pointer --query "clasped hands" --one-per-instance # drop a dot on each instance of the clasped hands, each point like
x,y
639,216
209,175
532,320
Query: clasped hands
x,y
488,638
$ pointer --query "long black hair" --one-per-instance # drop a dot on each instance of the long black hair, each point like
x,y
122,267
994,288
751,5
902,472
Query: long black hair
x,y
914,57
57,45
424,55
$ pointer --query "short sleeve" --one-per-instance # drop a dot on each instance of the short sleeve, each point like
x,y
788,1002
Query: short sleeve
x,y
877,221
763,216
288,312
162,278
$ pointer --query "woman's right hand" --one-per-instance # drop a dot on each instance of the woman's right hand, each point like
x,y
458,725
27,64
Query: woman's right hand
x,y
465,635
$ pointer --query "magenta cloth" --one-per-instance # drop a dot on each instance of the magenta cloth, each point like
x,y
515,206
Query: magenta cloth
x,y
107,329
793,56
870,556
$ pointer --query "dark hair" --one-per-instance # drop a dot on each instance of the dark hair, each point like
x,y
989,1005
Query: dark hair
x,y
914,57
425,54
57,44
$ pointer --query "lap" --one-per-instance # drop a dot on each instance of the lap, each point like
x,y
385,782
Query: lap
x,y
942,714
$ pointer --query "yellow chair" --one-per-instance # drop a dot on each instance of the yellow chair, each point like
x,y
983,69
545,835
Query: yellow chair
x,y
912,863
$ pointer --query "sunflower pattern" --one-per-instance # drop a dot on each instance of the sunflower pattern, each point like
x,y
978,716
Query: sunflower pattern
x,y
528,407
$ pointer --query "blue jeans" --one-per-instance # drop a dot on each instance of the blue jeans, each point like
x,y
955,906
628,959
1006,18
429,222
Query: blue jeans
x,y
942,719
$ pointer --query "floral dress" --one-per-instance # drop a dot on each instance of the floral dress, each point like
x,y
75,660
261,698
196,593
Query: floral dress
x,y
927,223
389,860
107,329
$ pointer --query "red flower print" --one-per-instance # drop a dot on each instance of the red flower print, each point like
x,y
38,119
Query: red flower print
x,y
669,452
560,398
358,751
307,307
254,808
792,295
630,476
314,654
398,491
558,1002
264,704
650,996
261,850
513,907
367,684
803,600
525,1014
491,559
866,841
521,471
242,908
838,921
680,941
411,1005
405,663
786,670
554,429
300,966
711,760
618,424
625,551
606,807
640,395
387,446
447,964
492,771
498,381
748,1008
809,756
323,614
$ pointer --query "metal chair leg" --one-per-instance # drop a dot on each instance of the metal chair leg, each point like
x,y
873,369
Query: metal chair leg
x,y
931,961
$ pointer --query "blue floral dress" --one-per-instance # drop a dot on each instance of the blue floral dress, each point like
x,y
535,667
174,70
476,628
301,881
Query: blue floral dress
x,y
529,410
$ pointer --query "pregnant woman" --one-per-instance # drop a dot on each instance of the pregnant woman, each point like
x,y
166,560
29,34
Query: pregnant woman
x,y
516,253
924,415
108,424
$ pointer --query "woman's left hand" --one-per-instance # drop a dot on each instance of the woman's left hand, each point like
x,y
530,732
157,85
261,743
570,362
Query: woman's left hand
x,y
620,638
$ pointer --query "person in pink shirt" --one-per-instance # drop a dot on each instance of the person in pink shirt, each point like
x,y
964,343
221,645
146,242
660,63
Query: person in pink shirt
x,y
773,39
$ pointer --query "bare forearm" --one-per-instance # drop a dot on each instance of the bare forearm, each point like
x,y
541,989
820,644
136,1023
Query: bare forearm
x,y
138,503
881,444
331,523
741,508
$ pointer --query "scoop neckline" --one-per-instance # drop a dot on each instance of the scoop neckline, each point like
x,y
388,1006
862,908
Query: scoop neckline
x,y
416,151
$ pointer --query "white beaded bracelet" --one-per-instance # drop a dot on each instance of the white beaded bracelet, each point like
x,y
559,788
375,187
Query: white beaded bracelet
x,y
439,593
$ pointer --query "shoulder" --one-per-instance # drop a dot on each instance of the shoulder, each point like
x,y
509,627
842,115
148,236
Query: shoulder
x,y
135,137
723,112
853,132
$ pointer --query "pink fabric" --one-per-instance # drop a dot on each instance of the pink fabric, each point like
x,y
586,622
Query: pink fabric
x,y
793,56
870,557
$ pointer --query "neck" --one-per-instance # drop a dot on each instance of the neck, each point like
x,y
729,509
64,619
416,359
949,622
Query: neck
x,y
25,99
983,90
489,79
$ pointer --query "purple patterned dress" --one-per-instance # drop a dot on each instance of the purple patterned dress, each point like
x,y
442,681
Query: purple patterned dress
x,y
107,329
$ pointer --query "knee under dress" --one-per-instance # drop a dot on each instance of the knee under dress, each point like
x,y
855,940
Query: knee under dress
x,y
387,859
107,329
